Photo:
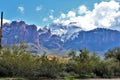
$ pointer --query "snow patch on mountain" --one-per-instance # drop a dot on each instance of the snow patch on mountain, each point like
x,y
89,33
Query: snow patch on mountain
x,y
64,31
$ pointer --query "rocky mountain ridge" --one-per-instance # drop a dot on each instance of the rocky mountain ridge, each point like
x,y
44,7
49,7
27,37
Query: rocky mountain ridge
x,y
60,37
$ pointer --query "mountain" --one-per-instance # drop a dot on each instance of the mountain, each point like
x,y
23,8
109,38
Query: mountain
x,y
59,38
65,32
18,31
72,37
98,40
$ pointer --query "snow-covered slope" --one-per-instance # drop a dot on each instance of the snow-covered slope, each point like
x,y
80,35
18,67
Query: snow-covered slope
x,y
65,32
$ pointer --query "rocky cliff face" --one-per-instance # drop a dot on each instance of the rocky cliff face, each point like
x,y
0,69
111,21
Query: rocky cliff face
x,y
48,40
19,31
97,40
59,37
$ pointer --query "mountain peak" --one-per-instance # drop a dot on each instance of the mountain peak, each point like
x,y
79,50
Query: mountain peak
x,y
64,31
59,37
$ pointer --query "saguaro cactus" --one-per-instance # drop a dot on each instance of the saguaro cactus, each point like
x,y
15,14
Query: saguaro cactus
x,y
1,30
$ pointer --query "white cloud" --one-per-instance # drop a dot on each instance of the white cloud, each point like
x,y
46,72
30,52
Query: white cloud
x,y
51,14
52,11
45,19
63,15
82,9
104,15
21,9
38,8
5,21
71,14
51,17
56,21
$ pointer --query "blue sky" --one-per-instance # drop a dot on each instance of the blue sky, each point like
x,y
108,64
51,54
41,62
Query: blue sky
x,y
43,12
47,7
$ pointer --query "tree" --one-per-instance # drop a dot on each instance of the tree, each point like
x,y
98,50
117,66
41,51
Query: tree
x,y
72,54
103,69
15,61
84,55
82,64
113,53
49,68
114,56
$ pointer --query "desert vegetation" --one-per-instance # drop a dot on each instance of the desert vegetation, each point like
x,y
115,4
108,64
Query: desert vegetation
x,y
16,61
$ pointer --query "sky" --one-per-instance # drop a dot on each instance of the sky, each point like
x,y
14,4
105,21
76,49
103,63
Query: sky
x,y
88,14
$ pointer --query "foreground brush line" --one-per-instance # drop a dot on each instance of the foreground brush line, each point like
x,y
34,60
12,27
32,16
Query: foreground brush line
x,y
15,61
57,79
12,79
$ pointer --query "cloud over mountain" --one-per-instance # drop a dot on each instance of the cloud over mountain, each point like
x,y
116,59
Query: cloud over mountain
x,y
5,21
104,15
